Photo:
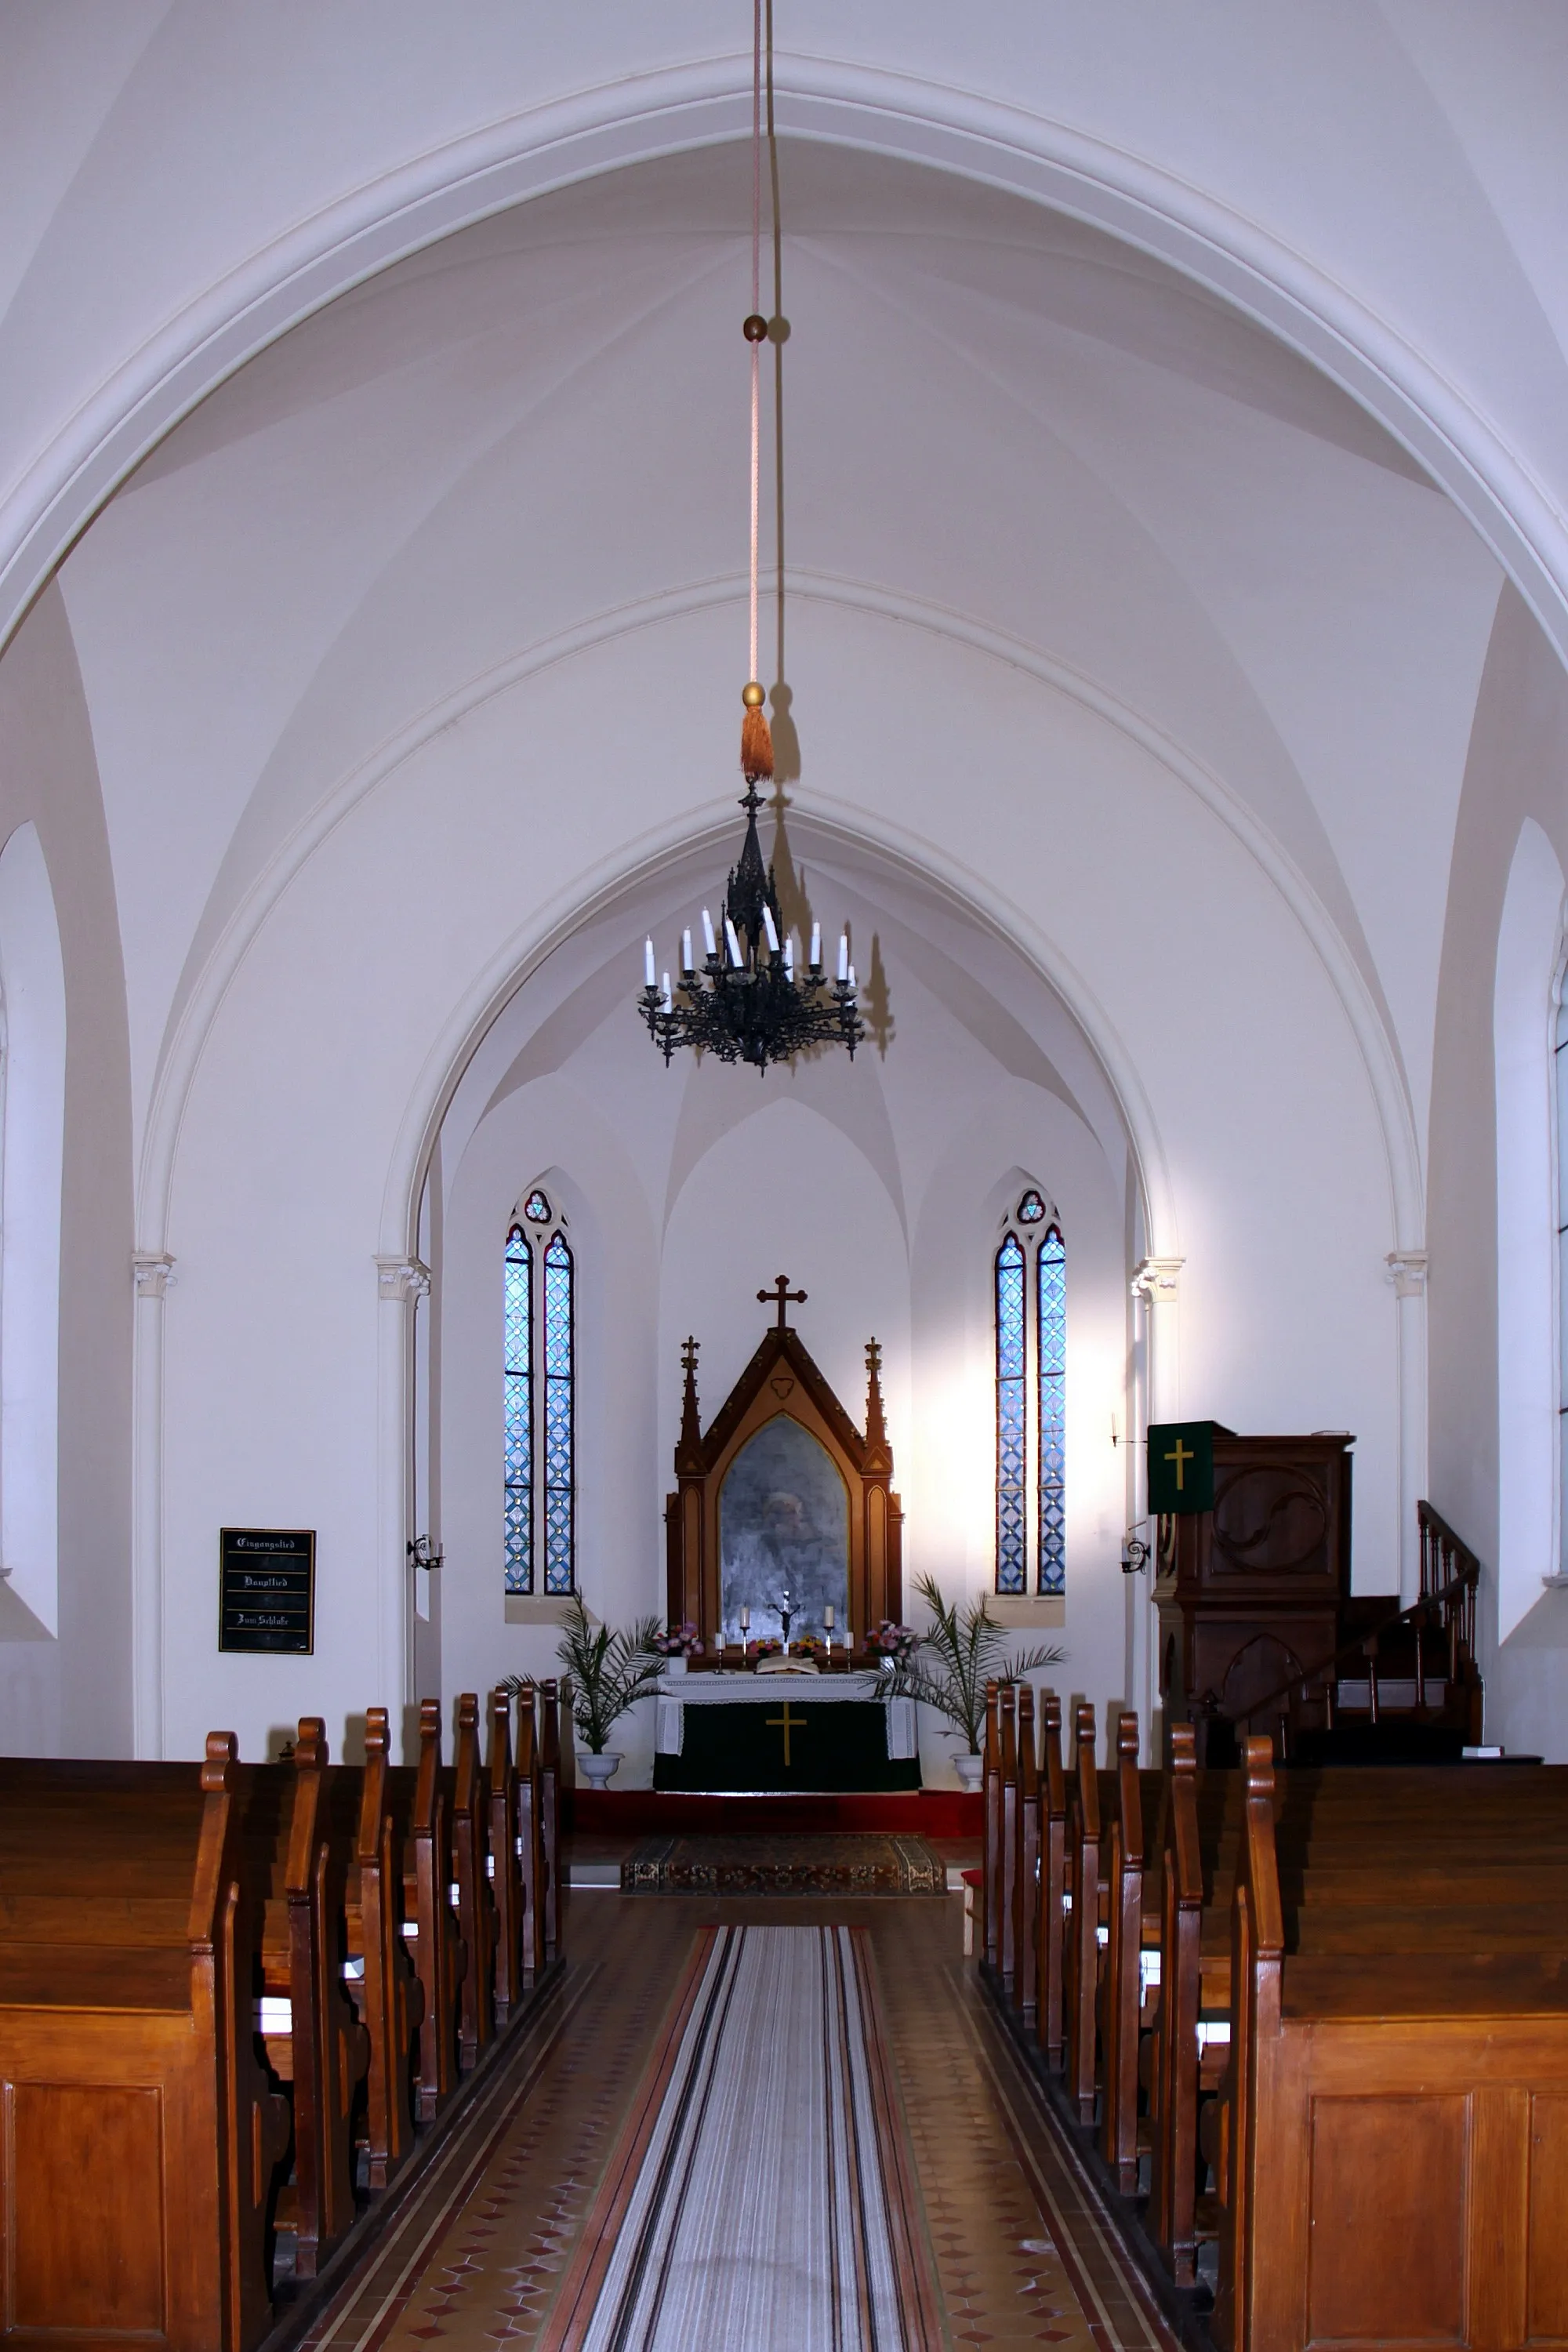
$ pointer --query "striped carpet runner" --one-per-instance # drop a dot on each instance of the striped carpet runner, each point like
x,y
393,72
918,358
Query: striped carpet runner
x,y
760,2194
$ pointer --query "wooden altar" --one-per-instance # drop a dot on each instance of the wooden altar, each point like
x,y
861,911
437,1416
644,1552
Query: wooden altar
x,y
1251,1593
782,1384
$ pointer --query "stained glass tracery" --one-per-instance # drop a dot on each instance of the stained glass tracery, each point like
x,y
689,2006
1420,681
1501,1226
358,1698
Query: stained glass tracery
x,y
1012,1429
1050,1276
539,1410
1031,1401
559,1434
517,1307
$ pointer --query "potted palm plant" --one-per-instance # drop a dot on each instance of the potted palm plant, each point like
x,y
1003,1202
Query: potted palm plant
x,y
960,1652
605,1671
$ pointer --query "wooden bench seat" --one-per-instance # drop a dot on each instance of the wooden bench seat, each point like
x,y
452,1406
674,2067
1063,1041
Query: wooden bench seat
x,y
141,2130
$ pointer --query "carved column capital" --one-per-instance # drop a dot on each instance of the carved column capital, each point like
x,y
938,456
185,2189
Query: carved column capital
x,y
1407,1272
402,1279
1155,1279
153,1271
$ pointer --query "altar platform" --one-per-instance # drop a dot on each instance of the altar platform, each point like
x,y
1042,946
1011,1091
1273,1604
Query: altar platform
x,y
742,1734
616,1814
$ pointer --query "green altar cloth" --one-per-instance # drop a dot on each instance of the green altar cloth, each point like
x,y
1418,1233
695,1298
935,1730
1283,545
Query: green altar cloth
x,y
741,1734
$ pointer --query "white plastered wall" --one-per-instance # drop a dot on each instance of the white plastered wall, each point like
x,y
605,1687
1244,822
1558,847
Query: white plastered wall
x,y
279,1187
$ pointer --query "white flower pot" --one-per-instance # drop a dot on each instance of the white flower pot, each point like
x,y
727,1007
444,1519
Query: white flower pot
x,y
597,1769
970,1771
676,1666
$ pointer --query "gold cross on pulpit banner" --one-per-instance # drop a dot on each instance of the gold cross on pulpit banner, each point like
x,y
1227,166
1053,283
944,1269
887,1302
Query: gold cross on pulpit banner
x,y
777,1294
1181,1455
786,1723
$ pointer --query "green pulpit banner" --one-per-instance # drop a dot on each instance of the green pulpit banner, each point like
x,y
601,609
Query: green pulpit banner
x,y
1181,1466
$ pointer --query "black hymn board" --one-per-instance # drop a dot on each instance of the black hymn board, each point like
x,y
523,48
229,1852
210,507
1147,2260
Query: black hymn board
x,y
267,1590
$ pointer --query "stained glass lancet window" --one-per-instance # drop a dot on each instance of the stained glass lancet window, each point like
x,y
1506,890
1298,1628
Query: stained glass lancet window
x,y
540,1401
518,1293
559,1444
1030,1309
1012,1422
1051,1294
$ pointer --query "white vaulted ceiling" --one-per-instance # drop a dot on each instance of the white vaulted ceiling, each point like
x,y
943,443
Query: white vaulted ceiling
x,y
997,421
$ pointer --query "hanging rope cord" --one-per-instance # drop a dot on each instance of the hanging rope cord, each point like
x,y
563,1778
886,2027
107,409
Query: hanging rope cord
x,y
756,742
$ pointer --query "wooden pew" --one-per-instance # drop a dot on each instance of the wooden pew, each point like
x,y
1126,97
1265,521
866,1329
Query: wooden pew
x,y
391,1997
1122,1992
506,1855
1394,2131
531,1838
417,1797
1050,1922
992,1930
1026,1864
142,2133
475,1901
1082,1938
555,1775
328,2052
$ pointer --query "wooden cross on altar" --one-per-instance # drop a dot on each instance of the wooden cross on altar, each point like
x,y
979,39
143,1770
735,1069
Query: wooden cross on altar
x,y
786,1723
779,1294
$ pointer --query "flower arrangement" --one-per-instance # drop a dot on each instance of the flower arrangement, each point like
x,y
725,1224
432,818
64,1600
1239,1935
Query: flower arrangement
x,y
767,1646
898,1643
812,1647
677,1641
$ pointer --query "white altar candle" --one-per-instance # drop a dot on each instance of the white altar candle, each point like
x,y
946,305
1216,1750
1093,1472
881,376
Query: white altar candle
x,y
827,1616
745,1620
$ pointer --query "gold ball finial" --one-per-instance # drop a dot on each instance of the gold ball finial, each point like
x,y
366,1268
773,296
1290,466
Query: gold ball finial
x,y
753,696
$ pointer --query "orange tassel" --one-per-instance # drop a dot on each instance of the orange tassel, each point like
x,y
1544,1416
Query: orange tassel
x,y
756,748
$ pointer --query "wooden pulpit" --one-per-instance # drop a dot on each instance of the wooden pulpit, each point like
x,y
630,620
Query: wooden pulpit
x,y
1250,1593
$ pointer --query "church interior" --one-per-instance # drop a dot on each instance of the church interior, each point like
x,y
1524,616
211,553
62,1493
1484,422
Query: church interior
x,y
782,1553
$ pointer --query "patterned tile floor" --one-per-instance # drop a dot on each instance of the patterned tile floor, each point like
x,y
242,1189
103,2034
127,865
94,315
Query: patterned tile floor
x,y
1022,2254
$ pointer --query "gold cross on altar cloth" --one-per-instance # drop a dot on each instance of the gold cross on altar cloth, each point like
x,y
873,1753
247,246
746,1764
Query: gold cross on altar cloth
x,y
777,1294
786,1723
1181,1455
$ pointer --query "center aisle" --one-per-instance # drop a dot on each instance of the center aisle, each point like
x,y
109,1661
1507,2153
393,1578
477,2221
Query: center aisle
x,y
812,2140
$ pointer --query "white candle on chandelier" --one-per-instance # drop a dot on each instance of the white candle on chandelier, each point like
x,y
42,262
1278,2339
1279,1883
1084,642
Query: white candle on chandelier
x,y
708,939
789,956
817,946
686,951
843,955
771,928
648,961
668,1004
851,979
733,936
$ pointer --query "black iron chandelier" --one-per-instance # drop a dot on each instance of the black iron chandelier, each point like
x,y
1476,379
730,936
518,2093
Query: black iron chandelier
x,y
751,1000
748,1002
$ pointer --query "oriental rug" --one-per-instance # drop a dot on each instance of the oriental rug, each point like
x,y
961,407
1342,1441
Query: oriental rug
x,y
759,1863
761,2193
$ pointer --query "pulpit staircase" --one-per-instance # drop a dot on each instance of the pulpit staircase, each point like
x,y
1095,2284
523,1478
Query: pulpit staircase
x,y
1402,1686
